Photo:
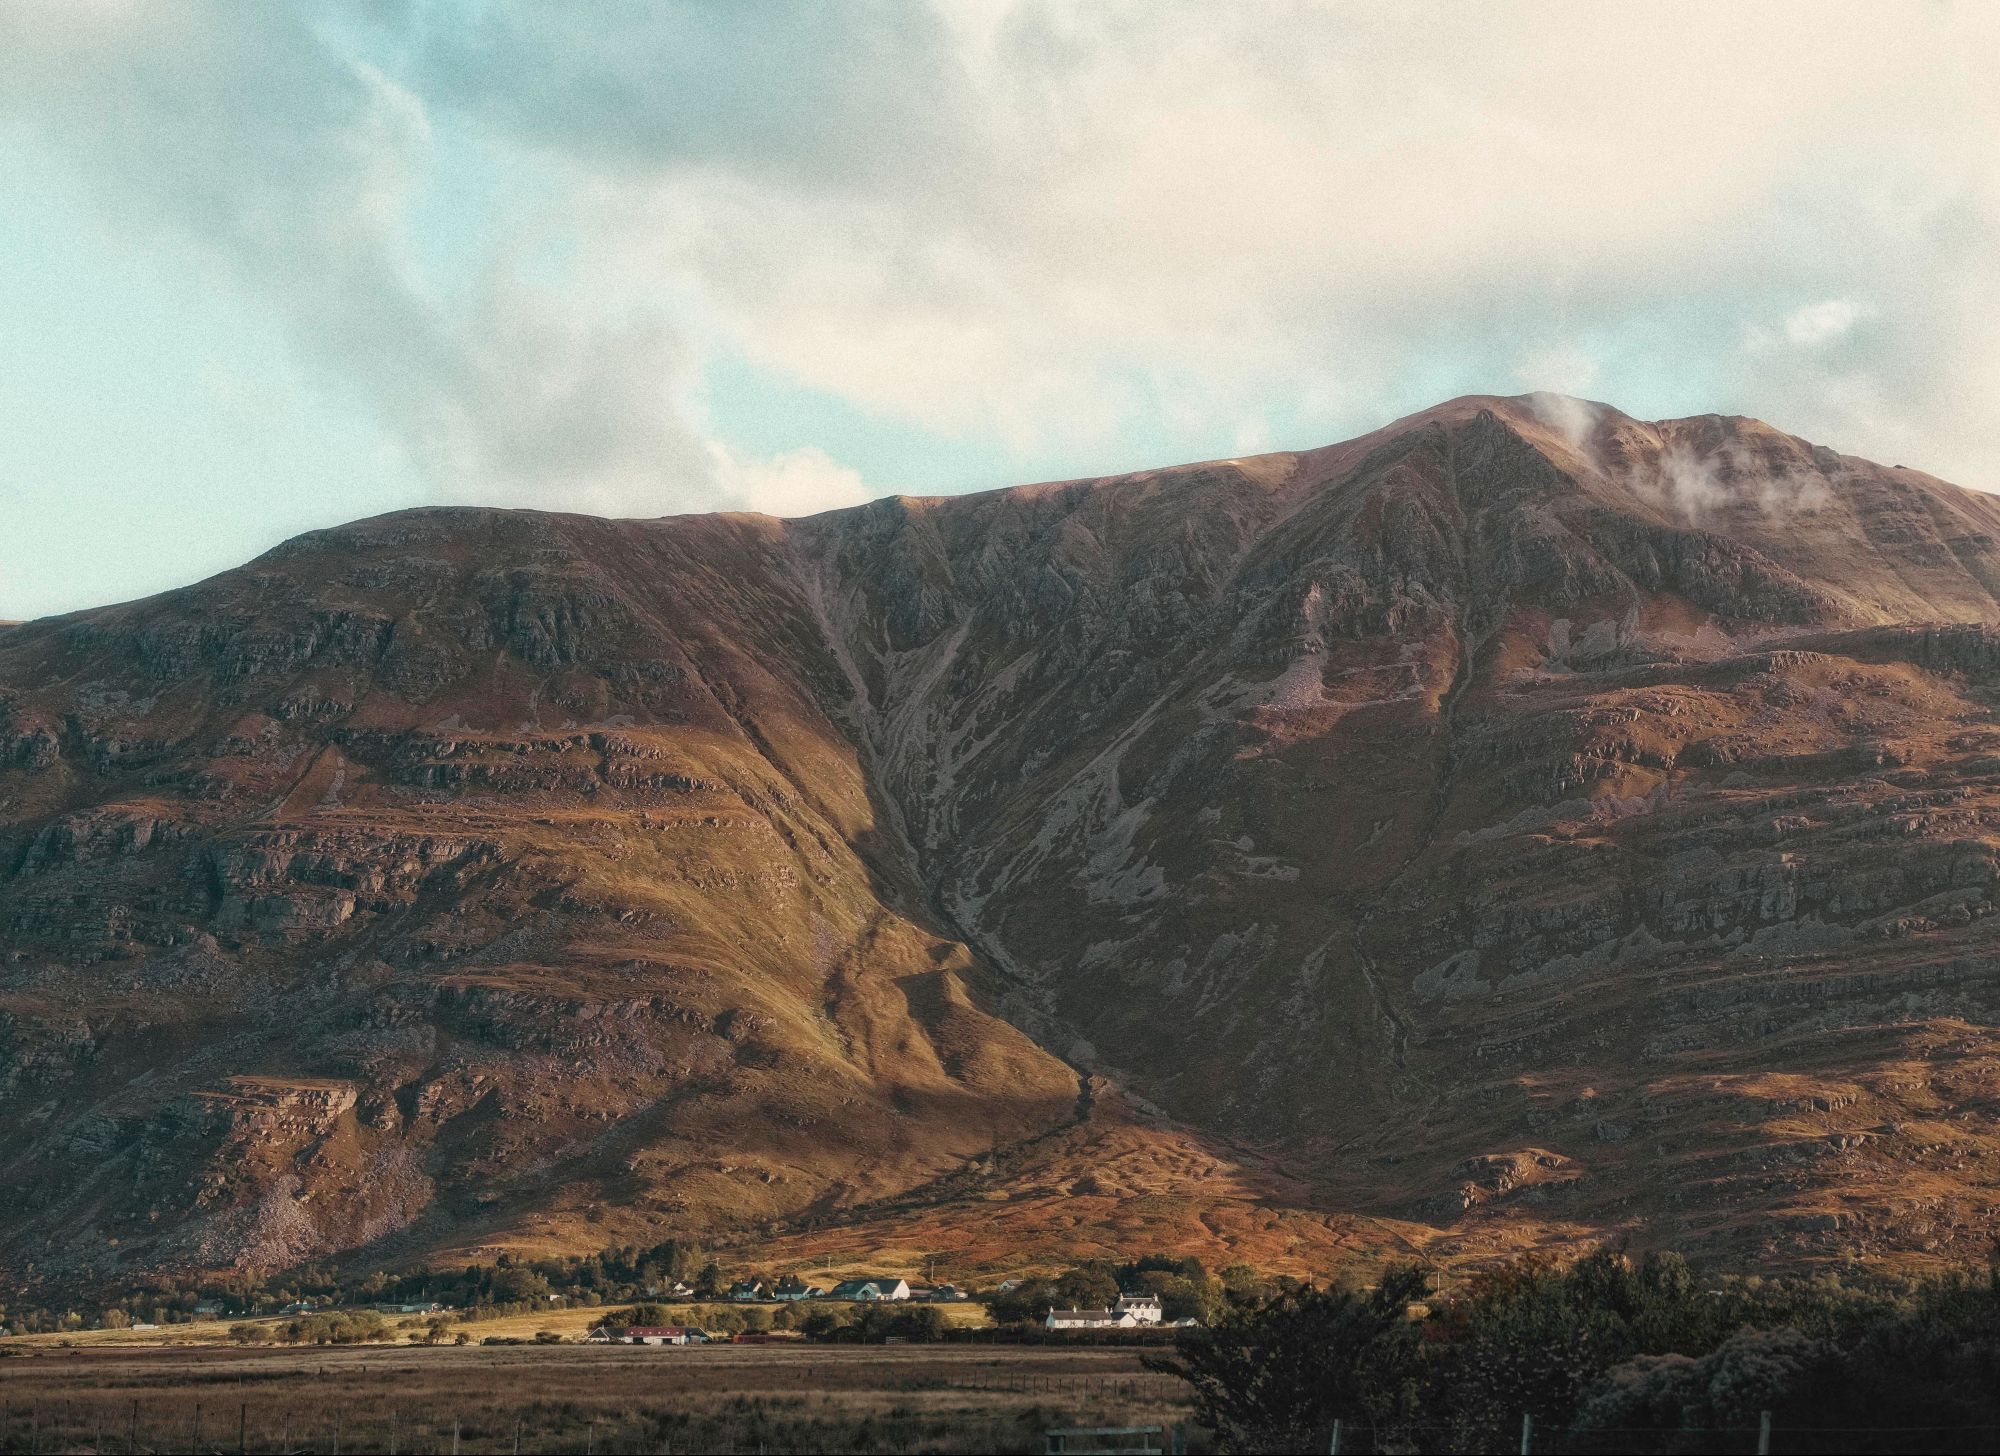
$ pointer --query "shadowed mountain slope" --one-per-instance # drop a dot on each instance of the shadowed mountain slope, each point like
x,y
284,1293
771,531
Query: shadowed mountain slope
x,y
1520,824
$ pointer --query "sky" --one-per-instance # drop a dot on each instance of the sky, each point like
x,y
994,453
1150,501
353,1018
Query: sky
x,y
265,268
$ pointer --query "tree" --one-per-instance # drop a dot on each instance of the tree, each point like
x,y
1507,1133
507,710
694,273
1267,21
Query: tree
x,y
1243,1285
1276,1378
925,1323
1183,1298
822,1323
1026,1301
1090,1286
1537,1336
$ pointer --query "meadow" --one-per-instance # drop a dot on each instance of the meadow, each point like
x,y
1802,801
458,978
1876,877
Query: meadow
x,y
106,1397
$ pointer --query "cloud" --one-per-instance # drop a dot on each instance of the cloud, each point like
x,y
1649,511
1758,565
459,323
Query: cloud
x,y
1037,222
275,159
795,483
1696,486
1052,224
1819,323
1572,418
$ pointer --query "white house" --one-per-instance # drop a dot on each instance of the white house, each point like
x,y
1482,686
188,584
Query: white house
x,y
649,1335
1090,1319
867,1291
1145,1309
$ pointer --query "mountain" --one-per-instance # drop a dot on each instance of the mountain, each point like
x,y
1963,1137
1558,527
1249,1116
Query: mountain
x,y
1521,825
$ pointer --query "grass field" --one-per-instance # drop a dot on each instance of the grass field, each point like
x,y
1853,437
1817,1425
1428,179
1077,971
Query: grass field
x,y
571,1324
896,1398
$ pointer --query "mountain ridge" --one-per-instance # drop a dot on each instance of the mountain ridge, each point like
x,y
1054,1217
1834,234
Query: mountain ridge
x,y
1421,819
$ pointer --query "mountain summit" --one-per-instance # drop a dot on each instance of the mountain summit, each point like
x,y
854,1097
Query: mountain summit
x,y
1522,824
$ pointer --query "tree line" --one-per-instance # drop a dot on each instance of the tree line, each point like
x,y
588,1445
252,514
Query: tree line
x,y
1604,1354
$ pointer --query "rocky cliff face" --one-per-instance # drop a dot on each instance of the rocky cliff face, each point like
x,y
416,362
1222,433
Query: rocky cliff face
x,y
1522,822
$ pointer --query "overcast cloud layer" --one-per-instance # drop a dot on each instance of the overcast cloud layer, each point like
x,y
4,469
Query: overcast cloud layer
x,y
641,258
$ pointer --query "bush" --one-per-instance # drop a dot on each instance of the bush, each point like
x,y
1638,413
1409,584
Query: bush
x,y
1275,1379
336,1328
1607,1354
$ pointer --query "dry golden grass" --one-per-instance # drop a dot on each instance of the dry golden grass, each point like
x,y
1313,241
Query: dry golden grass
x,y
571,1324
573,1398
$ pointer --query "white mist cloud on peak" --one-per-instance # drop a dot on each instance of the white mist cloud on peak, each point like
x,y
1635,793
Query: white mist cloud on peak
x,y
1572,418
1696,486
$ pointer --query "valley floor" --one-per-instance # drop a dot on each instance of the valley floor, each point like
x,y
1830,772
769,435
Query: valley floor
x,y
571,1398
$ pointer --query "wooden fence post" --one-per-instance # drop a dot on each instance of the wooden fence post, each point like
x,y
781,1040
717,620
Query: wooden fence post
x,y
1763,1433
1527,1433
243,1429
1333,1445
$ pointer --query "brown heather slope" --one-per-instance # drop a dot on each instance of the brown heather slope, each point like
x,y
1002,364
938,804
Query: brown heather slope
x,y
1520,825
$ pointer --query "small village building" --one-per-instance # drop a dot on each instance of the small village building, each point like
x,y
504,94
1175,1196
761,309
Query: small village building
x,y
746,1291
663,1335
945,1294
791,1287
1145,1309
1089,1319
